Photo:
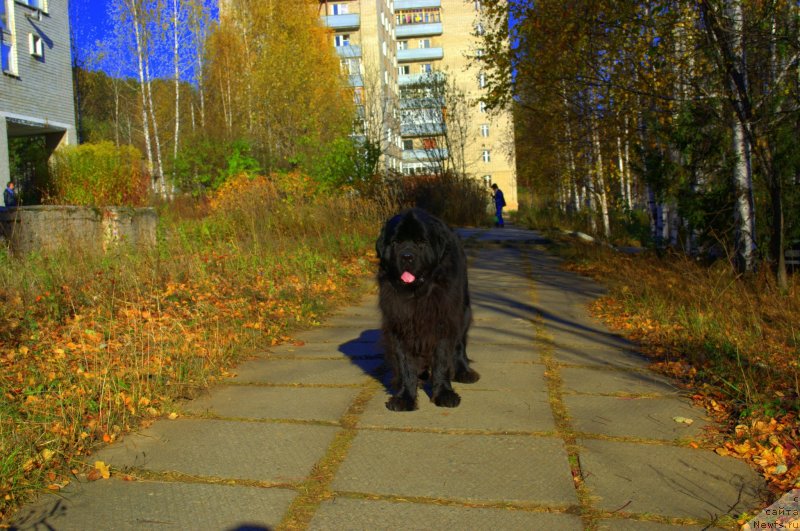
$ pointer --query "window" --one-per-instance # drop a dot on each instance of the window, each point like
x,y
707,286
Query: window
x,y
478,5
482,106
479,30
341,40
482,80
484,129
35,45
425,68
424,43
487,179
5,54
3,21
339,9
402,45
404,70
487,156
408,145
479,52
358,95
428,143
35,4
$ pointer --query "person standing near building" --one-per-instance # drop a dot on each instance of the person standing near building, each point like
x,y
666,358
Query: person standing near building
x,y
499,203
10,195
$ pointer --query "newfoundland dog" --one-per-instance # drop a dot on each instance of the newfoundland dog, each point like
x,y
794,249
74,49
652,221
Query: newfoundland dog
x,y
424,299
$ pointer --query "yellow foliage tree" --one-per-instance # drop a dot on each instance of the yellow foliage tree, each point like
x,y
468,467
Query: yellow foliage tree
x,y
277,82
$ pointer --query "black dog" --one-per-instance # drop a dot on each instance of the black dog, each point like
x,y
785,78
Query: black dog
x,y
424,299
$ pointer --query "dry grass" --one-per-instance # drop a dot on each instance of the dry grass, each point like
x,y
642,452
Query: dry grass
x,y
92,346
734,340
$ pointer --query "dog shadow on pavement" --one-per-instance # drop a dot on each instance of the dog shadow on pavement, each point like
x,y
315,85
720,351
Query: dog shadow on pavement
x,y
366,352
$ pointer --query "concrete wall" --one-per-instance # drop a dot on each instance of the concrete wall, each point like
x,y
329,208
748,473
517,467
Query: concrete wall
x,y
85,229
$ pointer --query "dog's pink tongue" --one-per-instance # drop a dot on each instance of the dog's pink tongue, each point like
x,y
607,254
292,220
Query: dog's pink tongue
x,y
407,277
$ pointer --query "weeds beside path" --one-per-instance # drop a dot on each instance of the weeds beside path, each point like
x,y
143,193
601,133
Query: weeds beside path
x,y
93,346
732,341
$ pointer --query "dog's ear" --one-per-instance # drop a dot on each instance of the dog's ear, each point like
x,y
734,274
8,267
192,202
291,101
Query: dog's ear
x,y
383,243
380,244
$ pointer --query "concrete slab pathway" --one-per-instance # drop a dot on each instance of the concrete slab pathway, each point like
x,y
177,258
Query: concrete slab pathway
x,y
567,429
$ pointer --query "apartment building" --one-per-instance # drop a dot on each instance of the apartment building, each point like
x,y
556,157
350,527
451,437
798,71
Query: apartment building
x,y
410,59
363,35
36,93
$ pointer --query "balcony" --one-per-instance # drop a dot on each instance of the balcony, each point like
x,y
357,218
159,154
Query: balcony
x,y
399,5
419,54
415,155
415,129
347,22
418,79
348,52
418,30
423,104
355,80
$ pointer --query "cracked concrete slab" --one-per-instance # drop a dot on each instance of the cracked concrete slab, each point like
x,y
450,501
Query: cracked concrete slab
x,y
136,505
599,381
268,452
479,410
467,467
354,514
306,371
254,402
667,480
645,418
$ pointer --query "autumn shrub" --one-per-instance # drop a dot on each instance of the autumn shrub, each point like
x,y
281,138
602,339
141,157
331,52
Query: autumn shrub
x,y
457,199
734,340
91,346
101,174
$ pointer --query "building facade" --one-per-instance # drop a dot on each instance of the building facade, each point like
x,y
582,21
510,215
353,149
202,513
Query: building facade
x,y
36,92
410,63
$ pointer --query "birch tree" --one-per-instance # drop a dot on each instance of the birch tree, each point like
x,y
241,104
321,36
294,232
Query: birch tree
x,y
729,45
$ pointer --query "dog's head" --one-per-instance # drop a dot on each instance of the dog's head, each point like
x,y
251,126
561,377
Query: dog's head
x,y
410,247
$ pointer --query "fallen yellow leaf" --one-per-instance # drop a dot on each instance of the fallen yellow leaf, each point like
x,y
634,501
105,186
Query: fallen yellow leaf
x,y
103,468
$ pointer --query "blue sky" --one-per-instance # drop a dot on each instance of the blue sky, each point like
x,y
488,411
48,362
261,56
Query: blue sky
x,y
90,23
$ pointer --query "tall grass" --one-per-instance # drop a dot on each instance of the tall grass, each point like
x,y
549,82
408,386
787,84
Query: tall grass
x,y
91,345
739,334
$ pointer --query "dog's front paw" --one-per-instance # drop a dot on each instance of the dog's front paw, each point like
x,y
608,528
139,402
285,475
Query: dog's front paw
x,y
401,403
447,398
467,376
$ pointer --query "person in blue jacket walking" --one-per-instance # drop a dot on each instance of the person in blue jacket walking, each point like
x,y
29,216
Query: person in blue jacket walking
x,y
499,203
10,195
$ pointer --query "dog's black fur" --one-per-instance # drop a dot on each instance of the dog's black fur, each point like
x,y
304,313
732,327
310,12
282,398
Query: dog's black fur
x,y
425,320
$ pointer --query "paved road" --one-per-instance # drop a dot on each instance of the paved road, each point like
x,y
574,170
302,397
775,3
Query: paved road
x,y
567,429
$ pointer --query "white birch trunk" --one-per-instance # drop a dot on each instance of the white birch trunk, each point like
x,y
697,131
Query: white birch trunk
x,y
621,170
177,73
628,197
161,185
115,85
601,185
742,174
137,33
